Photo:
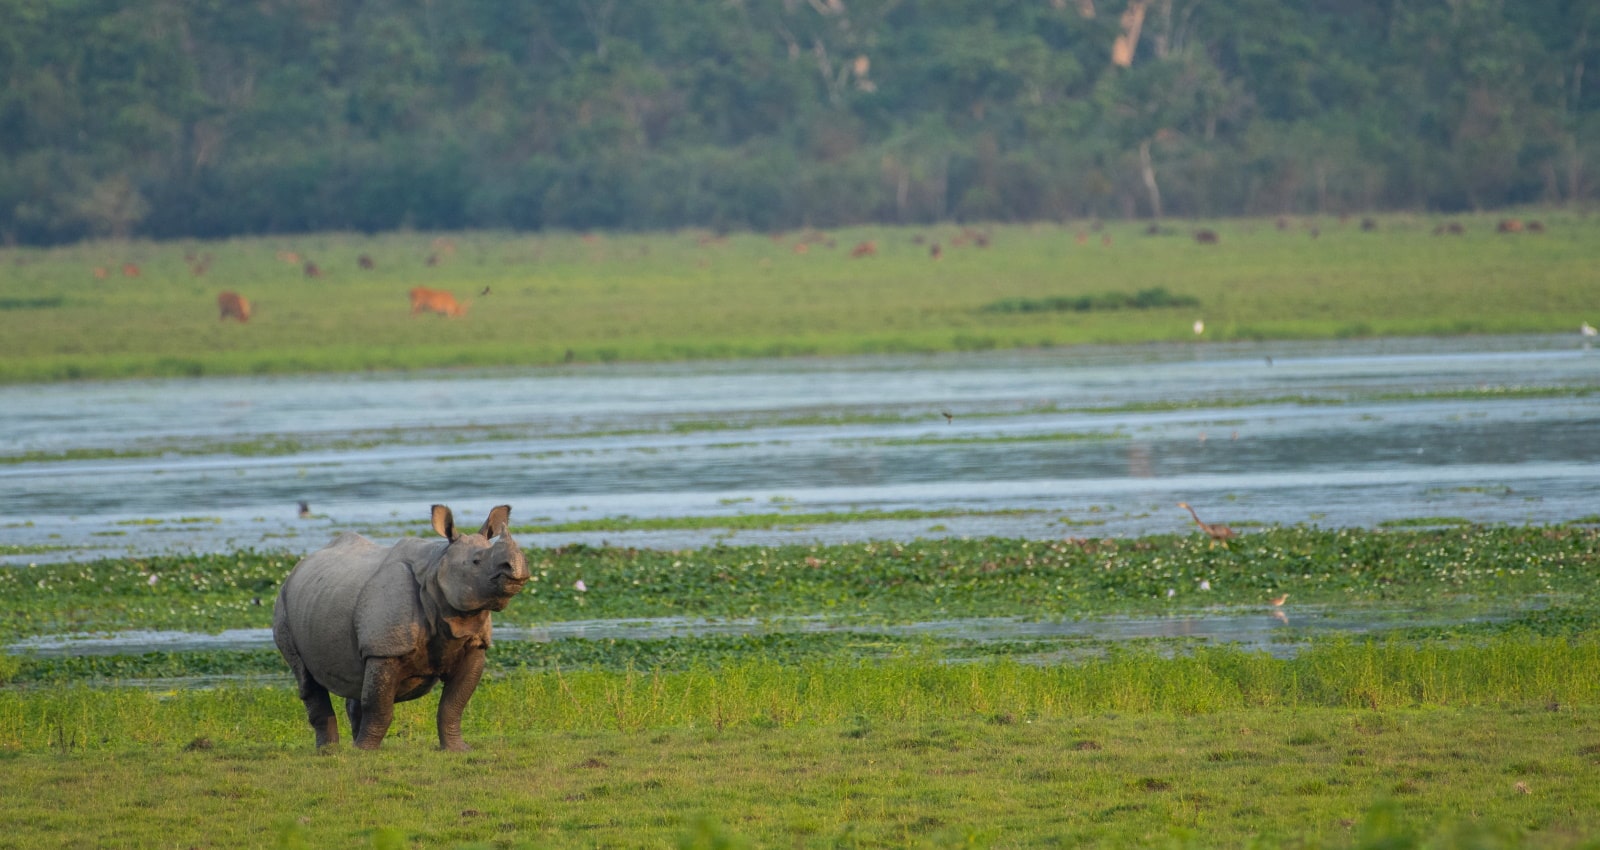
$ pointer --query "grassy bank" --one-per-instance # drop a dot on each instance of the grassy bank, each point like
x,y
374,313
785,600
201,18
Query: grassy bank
x,y
559,298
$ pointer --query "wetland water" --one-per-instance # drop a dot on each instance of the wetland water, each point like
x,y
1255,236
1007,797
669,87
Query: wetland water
x,y
1076,442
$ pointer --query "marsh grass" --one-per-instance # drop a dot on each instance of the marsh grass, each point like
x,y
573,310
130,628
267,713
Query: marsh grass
x,y
650,297
879,582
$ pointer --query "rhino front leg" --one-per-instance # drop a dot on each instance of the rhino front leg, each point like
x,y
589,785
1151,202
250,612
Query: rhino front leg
x,y
453,702
376,711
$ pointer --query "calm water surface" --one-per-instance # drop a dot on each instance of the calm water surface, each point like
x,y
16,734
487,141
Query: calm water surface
x,y
1087,441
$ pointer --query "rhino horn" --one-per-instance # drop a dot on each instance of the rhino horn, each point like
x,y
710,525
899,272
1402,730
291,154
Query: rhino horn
x,y
495,525
444,522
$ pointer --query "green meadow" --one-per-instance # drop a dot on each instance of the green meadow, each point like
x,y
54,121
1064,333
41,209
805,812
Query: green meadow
x,y
554,298
1464,715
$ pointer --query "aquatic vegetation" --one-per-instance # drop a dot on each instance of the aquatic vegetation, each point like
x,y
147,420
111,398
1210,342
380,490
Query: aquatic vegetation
x,y
750,521
876,582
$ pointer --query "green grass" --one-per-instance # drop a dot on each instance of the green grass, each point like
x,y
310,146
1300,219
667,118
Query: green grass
x,y
651,297
1213,749
1471,734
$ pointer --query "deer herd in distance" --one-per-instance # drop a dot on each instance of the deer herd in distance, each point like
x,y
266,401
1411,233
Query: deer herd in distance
x,y
233,305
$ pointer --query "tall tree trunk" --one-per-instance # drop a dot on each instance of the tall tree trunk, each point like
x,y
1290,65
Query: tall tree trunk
x,y
1148,172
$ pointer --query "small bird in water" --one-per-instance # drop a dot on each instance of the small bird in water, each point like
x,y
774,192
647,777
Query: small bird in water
x,y
1277,601
305,510
948,416
1587,329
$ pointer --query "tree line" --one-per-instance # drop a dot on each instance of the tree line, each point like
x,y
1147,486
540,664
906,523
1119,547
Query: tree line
x,y
210,118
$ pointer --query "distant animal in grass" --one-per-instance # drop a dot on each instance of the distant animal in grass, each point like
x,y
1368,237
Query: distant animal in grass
x,y
366,263
1206,237
379,625
232,305
130,270
425,300
865,249
1217,532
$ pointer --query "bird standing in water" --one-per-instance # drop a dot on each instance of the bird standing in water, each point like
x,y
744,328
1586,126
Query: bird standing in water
x,y
1216,531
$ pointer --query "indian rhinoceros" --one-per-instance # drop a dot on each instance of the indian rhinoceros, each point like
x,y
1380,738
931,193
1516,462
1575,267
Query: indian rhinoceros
x,y
379,625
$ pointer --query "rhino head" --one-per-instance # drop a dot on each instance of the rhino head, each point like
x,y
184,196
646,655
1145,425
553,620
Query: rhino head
x,y
475,574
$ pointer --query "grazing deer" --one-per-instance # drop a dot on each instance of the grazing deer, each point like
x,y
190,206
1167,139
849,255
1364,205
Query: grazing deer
x,y
438,301
1206,237
365,262
1508,225
311,269
130,269
865,249
232,305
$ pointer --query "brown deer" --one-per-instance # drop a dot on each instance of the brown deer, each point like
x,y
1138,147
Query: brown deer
x,y
232,305
865,249
365,262
130,269
311,269
1206,237
1508,225
425,300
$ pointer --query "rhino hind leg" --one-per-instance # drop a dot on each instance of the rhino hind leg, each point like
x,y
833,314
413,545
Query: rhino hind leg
x,y
319,711
319,706
352,710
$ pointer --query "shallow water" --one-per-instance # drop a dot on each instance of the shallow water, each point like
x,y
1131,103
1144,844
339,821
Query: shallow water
x,y
1066,434
1278,631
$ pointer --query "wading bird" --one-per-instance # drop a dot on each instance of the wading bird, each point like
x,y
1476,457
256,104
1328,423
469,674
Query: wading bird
x,y
1216,531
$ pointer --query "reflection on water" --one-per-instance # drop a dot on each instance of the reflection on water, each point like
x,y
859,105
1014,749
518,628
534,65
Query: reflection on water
x,y
1090,441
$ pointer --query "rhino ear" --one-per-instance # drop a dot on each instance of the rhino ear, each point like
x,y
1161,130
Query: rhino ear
x,y
495,525
444,522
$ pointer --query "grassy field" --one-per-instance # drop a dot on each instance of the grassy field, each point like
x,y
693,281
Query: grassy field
x,y
1480,732
555,298
1337,748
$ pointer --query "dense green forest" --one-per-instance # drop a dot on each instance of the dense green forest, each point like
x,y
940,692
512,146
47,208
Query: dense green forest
x,y
208,118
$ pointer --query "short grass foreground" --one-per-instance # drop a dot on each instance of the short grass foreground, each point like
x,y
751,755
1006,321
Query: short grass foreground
x,y
1346,746
132,309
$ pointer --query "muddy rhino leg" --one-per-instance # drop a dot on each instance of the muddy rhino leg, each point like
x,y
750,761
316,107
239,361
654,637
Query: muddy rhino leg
x,y
377,702
352,710
319,711
453,702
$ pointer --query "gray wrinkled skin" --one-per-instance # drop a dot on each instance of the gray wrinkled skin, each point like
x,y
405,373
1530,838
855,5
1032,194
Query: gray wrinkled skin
x,y
380,625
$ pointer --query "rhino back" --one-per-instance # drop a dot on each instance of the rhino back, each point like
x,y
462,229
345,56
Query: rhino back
x,y
318,605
